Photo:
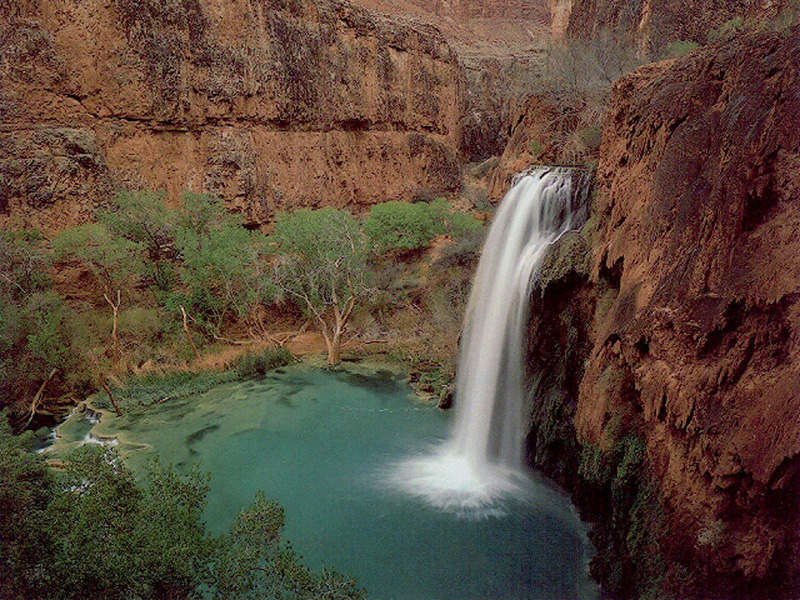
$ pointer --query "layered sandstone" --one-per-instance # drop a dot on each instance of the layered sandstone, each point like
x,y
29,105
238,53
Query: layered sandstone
x,y
270,104
694,345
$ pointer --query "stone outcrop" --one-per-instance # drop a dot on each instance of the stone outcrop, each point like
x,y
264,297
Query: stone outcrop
x,y
270,104
501,45
696,320
651,24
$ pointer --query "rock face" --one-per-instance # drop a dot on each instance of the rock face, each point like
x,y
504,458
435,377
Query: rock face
x,y
696,325
500,45
651,24
270,104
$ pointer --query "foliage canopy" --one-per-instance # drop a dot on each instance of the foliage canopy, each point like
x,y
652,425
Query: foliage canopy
x,y
89,531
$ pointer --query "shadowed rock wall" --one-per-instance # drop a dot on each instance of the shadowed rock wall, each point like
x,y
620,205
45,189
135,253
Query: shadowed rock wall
x,y
693,350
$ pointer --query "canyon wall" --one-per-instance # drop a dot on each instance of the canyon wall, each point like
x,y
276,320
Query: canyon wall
x,y
501,46
651,24
689,376
270,104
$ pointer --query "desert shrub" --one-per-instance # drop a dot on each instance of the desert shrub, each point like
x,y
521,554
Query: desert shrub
x,y
464,252
536,148
577,79
727,30
679,47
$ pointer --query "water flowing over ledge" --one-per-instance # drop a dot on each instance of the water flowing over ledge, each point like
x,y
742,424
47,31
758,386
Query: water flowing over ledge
x,y
481,465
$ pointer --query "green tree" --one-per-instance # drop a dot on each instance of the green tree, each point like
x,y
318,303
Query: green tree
x,y
94,518
112,260
37,329
26,486
254,563
23,264
320,262
402,225
222,264
89,531
142,217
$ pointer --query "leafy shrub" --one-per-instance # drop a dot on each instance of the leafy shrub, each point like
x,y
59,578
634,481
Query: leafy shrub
x,y
144,325
460,225
401,226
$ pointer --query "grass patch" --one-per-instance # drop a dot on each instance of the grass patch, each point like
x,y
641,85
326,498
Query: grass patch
x,y
257,365
142,391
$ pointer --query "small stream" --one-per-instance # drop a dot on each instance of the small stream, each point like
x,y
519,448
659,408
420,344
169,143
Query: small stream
x,y
326,446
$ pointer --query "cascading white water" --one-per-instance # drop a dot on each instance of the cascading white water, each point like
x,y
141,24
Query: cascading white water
x,y
482,462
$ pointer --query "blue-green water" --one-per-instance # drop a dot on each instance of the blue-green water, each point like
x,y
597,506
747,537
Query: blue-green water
x,y
324,444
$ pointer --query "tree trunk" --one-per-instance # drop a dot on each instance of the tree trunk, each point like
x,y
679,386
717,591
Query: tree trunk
x,y
38,396
114,337
335,348
107,389
341,318
186,331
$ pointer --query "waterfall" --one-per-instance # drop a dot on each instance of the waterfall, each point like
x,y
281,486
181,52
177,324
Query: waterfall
x,y
482,462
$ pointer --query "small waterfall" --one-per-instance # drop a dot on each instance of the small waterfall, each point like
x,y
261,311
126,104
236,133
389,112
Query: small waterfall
x,y
482,462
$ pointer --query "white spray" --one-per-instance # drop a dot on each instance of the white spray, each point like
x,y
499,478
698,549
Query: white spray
x,y
482,462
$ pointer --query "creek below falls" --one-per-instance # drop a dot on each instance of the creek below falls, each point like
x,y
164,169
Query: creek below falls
x,y
326,444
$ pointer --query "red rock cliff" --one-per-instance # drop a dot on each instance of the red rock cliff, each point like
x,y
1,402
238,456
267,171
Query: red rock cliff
x,y
270,104
696,263
652,23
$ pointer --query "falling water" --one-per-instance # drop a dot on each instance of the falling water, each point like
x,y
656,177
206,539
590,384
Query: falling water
x,y
482,462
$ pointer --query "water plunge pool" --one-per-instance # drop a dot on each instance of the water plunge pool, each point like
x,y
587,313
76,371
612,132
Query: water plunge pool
x,y
326,446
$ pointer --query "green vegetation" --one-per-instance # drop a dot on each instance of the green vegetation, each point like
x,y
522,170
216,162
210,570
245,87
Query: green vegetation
x,y
630,534
221,263
679,48
89,531
320,262
258,364
140,391
37,328
536,149
147,287
402,226
727,30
